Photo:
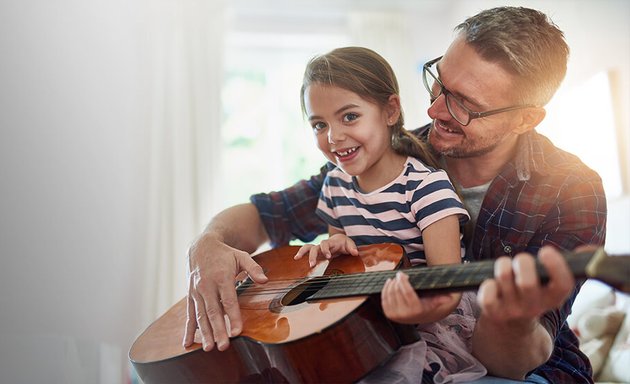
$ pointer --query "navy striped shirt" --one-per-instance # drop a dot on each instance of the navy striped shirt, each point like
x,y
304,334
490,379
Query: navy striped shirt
x,y
396,212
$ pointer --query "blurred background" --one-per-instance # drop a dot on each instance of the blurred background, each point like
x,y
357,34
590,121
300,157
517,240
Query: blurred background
x,y
126,124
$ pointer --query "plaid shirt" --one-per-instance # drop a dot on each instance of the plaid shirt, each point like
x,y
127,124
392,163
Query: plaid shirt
x,y
544,196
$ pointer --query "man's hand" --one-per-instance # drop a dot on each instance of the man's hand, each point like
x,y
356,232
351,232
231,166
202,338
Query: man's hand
x,y
509,338
515,294
213,267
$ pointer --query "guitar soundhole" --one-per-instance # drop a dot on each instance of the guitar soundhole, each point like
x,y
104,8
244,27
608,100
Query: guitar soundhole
x,y
303,291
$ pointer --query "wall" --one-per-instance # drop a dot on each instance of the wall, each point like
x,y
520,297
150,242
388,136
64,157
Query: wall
x,y
73,173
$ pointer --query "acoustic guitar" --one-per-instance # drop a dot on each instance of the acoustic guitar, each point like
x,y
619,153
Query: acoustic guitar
x,y
322,324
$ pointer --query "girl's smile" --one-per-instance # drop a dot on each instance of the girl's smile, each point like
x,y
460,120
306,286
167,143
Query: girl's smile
x,y
346,154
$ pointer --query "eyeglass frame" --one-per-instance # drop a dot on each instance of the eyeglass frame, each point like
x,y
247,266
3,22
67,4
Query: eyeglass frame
x,y
444,91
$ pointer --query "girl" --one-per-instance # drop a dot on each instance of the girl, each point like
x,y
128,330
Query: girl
x,y
385,188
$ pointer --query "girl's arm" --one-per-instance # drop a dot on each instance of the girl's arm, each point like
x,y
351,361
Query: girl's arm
x,y
401,303
441,241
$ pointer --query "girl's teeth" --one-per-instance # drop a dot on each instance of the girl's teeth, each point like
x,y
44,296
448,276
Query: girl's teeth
x,y
347,152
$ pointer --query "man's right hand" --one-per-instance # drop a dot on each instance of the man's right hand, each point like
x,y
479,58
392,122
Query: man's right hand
x,y
212,299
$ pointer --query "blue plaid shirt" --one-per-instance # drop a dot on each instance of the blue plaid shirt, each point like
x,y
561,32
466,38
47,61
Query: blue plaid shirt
x,y
544,196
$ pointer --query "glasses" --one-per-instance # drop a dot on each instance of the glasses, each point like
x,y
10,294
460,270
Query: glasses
x,y
455,106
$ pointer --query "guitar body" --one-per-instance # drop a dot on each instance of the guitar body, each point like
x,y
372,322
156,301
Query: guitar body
x,y
284,338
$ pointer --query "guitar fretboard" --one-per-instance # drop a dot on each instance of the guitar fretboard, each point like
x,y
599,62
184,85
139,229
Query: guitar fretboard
x,y
437,278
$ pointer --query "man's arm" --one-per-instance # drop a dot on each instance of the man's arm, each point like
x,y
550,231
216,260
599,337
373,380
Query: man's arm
x,y
215,258
509,338
239,227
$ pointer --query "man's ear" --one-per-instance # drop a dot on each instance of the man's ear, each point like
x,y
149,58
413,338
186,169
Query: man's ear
x,y
393,109
529,119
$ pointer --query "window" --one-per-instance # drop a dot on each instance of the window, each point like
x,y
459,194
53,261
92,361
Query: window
x,y
580,120
266,143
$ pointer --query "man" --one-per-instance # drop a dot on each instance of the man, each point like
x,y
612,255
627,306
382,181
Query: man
x,y
525,196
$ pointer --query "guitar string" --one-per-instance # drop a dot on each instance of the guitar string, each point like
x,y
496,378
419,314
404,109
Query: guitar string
x,y
367,275
376,279
414,273
476,272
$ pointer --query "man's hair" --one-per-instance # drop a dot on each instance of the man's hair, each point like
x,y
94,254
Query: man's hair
x,y
366,73
526,43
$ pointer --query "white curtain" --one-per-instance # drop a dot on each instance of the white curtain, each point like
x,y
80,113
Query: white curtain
x,y
184,44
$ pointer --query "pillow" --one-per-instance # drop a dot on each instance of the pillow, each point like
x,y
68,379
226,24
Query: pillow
x,y
597,351
596,329
593,294
617,366
599,323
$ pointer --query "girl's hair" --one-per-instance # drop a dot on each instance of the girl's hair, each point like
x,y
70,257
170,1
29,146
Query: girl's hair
x,y
366,73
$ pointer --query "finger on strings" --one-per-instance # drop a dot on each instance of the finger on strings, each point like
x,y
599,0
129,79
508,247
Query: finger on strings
x,y
302,251
312,256
504,277
351,247
229,300
214,313
191,323
325,248
207,337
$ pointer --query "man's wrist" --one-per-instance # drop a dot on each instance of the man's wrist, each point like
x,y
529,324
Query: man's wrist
x,y
212,235
206,240
510,328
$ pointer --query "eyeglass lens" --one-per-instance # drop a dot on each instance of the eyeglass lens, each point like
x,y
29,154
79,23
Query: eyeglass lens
x,y
454,106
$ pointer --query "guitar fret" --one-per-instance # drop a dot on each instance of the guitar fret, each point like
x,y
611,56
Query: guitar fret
x,y
363,284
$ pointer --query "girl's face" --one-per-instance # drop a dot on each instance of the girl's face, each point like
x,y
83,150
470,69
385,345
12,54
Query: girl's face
x,y
352,132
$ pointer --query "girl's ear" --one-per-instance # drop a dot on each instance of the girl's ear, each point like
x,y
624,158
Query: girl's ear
x,y
529,119
392,108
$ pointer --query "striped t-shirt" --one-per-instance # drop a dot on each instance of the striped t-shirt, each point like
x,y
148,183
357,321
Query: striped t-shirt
x,y
394,213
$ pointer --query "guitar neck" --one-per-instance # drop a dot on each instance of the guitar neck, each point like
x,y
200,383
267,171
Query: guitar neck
x,y
594,264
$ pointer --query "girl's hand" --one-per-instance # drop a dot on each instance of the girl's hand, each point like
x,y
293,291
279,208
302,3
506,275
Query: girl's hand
x,y
402,304
335,245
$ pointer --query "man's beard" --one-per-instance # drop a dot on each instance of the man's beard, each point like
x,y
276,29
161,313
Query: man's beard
x,y
463,152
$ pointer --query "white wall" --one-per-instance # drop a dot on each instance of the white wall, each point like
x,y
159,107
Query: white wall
x,y
74,169
73,166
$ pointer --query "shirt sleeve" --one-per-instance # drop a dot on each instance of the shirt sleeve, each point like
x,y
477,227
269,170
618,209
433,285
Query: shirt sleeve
x,y
290,214
326,208
436,199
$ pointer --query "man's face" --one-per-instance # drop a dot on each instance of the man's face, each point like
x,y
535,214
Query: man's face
x,y
481,86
